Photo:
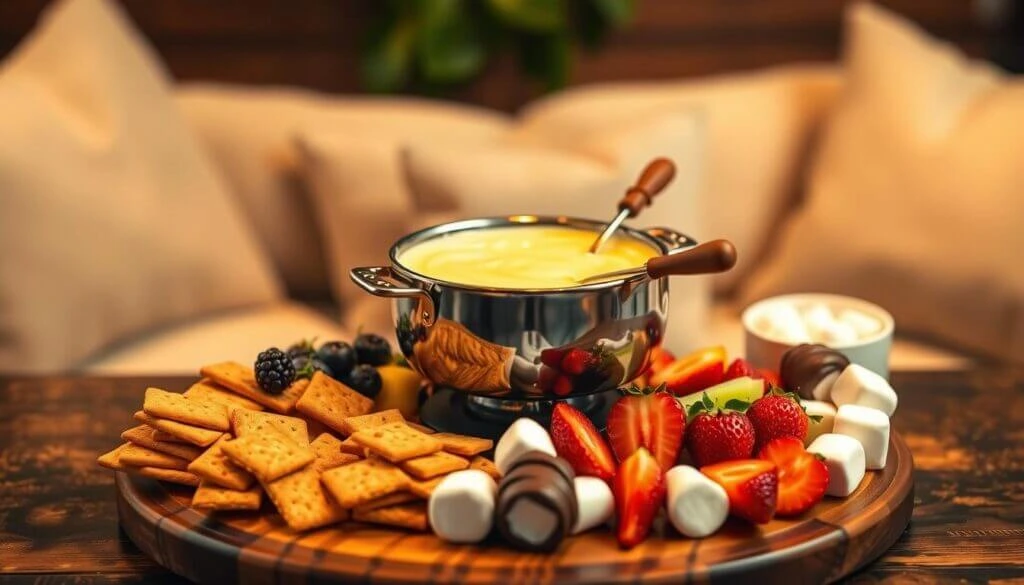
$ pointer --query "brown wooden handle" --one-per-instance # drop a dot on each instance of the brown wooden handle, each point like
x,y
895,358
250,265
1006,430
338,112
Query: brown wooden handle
x,y
654,178
706,258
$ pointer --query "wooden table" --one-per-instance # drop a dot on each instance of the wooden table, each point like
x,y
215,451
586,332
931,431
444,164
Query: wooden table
x,y
58,522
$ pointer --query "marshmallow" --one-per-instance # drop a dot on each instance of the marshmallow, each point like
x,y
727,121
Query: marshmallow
x,y
870,427
818,316
595,504
859,385
844,458
782,320
461,507
865,325
826,411
697,506
835,333
523,436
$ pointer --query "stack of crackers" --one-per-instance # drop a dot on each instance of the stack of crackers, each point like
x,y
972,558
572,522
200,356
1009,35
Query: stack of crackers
x,y
373,467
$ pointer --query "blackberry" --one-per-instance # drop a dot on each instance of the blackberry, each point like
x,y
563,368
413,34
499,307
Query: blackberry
x,y
372,350
274,370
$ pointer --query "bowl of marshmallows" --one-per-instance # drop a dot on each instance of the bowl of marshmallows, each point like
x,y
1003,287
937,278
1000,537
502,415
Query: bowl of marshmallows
x,y
860,330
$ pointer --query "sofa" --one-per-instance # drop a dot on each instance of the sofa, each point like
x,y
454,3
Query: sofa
x,y
169,225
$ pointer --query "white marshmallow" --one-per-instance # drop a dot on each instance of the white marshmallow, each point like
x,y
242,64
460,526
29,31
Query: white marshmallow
x,y
844,458
461,507
595,504
782,320
836,333
859,385
826,411
523,436
868,425
823,390
531,522
865,325
697,506
818,316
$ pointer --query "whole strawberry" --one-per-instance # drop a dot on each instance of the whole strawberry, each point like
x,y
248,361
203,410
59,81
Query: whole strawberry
x,y
715,435
777,414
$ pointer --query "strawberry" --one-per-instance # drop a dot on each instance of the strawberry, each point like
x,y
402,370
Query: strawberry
x,y
803,476
716,435
752,486
771,378
576,361
650,418
777,414
692,373
546,378
660,359
562,385
739,368
579,443
552,357
639,491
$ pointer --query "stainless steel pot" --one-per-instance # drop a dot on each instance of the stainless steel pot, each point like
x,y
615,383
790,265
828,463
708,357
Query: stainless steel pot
x,y
512,343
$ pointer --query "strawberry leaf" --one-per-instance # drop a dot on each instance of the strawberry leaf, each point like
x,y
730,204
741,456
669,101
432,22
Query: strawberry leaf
x,y
737,405
709,404
695,409
815,418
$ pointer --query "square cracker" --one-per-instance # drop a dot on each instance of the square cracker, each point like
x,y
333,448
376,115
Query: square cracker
x,y
388,501
350,446
174,406
301,501
144,435
327,449
421,428
424,487
463,445
139,456
242,381
374,419
331,402
433,465
213,497
112,459
397,442
168,475
206,390
269,455
485,465
412,516
172,430
247,422
364,481
217,469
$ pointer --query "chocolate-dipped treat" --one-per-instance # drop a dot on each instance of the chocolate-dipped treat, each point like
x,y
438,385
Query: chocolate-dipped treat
x,y
810,370
536,506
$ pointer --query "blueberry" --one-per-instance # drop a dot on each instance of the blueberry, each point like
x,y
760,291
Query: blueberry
x,y
307,365
365,380
372,350
338,356
301,349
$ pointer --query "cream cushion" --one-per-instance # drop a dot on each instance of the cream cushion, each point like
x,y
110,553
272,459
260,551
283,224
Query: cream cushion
x,y
916,200
112,221
759,127
251,133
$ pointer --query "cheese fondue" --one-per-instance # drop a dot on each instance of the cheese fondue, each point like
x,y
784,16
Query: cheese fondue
x,y
537,257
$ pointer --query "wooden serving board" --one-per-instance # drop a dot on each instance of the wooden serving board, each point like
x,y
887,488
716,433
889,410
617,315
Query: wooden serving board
x,y
837,537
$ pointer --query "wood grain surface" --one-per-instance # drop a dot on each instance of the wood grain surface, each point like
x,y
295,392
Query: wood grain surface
x,y
58,517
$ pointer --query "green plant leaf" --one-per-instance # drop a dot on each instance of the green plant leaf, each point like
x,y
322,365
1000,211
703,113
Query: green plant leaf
x,y
695,409
545,58
448,49
386,62
737,405
531,15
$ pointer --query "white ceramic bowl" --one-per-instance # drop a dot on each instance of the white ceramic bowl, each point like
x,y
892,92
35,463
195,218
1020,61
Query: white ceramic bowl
x,y
871,351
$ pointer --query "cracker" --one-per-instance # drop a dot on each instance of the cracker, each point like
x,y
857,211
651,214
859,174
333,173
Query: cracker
x,y
168,475
174,406
213,497
206,390
433,465
242,381
301,501
331,402
247,422
374,419
143,435
485,465
139,456
421,428
412,516
388,501
350,446
423,488
172,430
268,456
397,442
364,481
463,445
112,459
327,449
215,467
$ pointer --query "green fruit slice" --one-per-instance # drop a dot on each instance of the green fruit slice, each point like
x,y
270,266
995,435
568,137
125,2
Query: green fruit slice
x,y
744,389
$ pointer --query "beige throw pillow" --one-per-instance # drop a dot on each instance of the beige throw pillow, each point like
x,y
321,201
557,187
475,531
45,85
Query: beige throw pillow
x,y
111,219
916,201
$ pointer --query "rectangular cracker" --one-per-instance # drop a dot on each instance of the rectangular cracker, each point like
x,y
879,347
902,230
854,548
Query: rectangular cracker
x,y
350,446
361,482
206,390
214,497
374,419
248,422
139,456
301,501
112,459
172,430
397,442
421,428
216,468
423,488
242,381
327,449
463,445
412,516
485,465
144,435
388,501
331,402
268,455
174,406
168,475
433,465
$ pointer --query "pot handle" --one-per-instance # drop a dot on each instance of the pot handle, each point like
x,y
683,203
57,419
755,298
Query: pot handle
x,y
673,240
382,281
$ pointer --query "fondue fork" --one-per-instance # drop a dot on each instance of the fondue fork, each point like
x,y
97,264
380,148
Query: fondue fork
x,y
652,180
706,258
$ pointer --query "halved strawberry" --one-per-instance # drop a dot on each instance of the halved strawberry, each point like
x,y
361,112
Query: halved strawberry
x,y
639,491
692,373
660,359
579,443
803,476
576,361
752,486
650,418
